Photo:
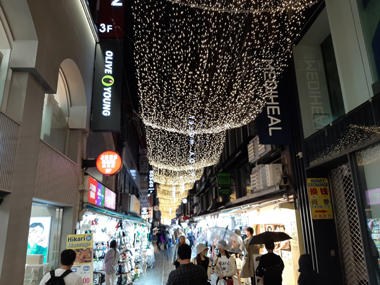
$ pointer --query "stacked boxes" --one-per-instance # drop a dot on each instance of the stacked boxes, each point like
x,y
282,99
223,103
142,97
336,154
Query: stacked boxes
x,y
265,175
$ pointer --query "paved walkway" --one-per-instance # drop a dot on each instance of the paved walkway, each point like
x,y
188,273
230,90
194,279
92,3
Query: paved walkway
x,y
158,275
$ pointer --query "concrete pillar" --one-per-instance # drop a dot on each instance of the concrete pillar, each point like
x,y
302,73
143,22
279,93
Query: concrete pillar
x,y
16,208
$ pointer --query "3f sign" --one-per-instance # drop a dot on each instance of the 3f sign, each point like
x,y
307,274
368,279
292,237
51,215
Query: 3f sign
x,y
105,28
116,3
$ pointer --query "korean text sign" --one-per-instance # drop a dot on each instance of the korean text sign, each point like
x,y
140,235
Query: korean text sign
x,y
83,246
320,199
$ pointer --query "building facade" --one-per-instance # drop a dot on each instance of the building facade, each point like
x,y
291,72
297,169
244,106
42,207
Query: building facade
x,y
47,60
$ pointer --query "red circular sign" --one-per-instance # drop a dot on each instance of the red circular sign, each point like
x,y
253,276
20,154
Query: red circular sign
x,y
108,163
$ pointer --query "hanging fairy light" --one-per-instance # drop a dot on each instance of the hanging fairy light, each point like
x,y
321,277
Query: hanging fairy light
x,y
253,6
178,188
214,67
165,176
176,151
353,137
169,195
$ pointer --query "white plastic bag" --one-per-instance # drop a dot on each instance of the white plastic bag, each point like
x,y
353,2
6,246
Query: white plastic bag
x,y
222,282
214,279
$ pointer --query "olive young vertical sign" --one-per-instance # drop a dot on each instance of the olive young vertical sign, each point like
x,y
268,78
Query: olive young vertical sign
x,y
106,102
320,200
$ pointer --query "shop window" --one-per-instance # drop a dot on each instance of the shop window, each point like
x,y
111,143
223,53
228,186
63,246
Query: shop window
x,y
55,118
43,251
369,11
319,88
368,163
5,53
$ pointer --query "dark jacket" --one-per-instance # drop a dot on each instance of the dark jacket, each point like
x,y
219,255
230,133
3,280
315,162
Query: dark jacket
x,y
307,276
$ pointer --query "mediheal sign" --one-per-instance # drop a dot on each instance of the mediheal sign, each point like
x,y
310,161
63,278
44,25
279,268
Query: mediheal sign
x,y
106,102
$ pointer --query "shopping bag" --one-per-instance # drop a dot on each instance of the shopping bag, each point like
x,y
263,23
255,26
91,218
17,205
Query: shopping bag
x,y
222,282
214,279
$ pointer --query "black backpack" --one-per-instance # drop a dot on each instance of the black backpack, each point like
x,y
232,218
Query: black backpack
x,y
57,280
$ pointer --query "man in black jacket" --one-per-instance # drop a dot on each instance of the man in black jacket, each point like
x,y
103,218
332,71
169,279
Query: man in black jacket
x,y
187,273
270,267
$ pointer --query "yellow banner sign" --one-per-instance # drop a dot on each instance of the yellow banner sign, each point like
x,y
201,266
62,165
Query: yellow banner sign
x,y
320,200
83,246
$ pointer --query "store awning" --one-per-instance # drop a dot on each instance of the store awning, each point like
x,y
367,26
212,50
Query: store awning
x,y
113,214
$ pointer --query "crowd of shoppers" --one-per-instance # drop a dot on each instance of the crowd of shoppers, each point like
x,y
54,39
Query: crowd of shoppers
x,y
224,265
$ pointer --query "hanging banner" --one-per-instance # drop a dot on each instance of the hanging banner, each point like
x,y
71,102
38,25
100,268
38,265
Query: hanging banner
x,y
83,246
273,122
320,200
106,101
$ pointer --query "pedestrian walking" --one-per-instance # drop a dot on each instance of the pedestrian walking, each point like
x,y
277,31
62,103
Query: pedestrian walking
x,y
225,263
248,266
64,272
202,260
182,240
110,262
270,267
307,276
187,273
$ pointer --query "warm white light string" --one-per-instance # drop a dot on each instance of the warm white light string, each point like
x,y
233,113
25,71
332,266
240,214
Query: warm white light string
x,y
247,6
176,151
165,176
210,65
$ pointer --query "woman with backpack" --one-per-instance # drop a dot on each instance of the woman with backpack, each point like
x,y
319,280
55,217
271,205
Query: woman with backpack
x,y
110,262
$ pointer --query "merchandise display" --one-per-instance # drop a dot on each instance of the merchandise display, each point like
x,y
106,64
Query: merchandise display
x,y
132,244
374,227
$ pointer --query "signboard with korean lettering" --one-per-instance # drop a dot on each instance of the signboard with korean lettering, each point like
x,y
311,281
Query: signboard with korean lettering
x,y
320,199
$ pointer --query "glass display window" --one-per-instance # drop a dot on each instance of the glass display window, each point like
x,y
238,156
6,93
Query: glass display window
x,y
43,251
318,82
368,164
369,11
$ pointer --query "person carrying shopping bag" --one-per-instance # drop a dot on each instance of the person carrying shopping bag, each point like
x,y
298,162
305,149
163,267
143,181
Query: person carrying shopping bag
x,y
202,260
225,264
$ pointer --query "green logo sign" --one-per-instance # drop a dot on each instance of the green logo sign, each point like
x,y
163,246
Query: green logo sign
x,y
225,192
108,80
224,179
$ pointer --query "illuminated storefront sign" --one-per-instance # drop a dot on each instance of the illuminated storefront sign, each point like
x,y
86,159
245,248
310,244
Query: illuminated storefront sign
x,y
151,181
100,195
320,200
110,199
108,163
106,105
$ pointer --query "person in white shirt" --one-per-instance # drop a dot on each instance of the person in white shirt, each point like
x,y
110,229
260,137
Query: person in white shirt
x,y
67,261
225,262
110,262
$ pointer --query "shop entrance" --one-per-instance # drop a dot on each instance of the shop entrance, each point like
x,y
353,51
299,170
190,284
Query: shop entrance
x,y
347,224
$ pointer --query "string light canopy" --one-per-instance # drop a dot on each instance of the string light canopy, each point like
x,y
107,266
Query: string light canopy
x,y
165,176
170,196
176,151
354,136
252,6
177,188
215,70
